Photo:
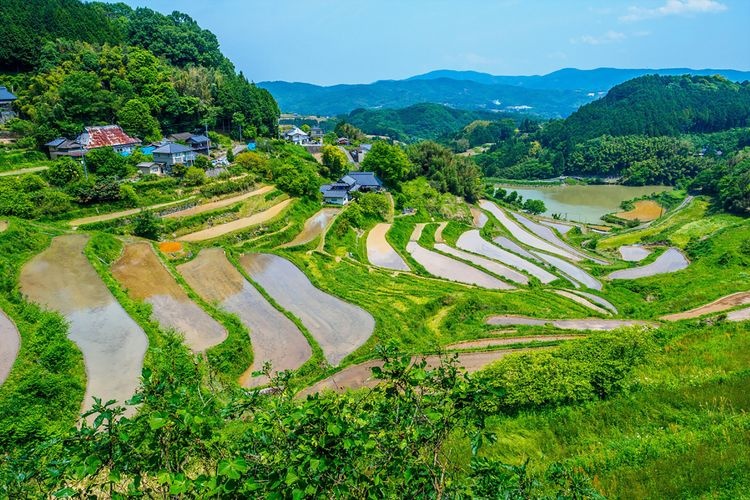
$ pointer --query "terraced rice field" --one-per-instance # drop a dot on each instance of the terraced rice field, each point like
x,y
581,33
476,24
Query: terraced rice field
x,y
549,235
453,270
582,301
503,341
597,300
561,227
439,232
360,376
514,247
380,253
10,343
643,210
634,253
314,226
525,236
215,205
236,225
565,324
739,315
338,327
123,213
669,262
479,217
575,274
489,265
472,241
719,305
143,275
112,344
274,337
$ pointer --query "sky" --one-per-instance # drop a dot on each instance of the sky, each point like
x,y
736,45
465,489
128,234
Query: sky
x,y
356,41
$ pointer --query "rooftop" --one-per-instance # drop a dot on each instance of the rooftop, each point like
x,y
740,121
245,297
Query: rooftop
x,y
6,95
172,148
104,136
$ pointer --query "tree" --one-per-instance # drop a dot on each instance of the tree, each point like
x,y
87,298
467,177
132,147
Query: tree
x,y
128,195
305,128
202,162
535,207
64,171
147,225
389,162
106,162
194,176
335,161
135,118
230,155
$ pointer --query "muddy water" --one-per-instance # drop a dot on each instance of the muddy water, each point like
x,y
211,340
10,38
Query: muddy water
x,y
417,233
634,253
523,235
480,218
669,262
490,265
314,226
566,324
380,253
112,344
214,205
719,305
339,327
143,275
549,235
360,376
739,315
274,337
453,270
472,241
237,225
576,275
582,301
10,342
584,203
495,342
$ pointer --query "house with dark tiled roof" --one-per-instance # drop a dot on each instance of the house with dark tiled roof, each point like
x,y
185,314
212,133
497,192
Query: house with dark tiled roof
x,y
172,153
340,193
6,104
198,142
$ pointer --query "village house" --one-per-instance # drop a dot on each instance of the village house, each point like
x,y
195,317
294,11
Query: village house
x,y
296,136
104,136
6,104
151,167
197,142
340,193
172,153
316,133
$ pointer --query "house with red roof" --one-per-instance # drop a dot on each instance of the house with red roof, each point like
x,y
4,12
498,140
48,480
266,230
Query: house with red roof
x,y
104,136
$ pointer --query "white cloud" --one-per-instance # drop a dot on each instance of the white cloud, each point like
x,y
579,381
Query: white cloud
x,y
608,37
674,8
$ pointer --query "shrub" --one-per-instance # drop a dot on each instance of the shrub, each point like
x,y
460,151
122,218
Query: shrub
x,y
147,225
194,176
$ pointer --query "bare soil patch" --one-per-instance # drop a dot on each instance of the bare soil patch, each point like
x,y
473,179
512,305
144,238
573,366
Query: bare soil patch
x,y
214,205
495,342
3,225
566,324
380,253
237,225
143,275
643,210
719,305
112,344
10,343
439,232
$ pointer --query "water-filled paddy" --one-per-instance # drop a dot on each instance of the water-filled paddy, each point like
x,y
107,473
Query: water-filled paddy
x,y
451,269
380,253
10,342
669,262
314,226
338,327
490,265
565,324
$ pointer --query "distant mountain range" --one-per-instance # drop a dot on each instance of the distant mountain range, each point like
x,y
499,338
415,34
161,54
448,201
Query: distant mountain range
x,y
556,94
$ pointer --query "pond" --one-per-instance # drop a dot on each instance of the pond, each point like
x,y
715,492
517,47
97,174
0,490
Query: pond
x,y
583,203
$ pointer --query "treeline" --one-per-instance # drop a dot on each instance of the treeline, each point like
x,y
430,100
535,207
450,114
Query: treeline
x,y
152,73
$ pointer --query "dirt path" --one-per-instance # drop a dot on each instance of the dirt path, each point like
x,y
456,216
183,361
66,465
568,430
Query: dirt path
x,y
274,337
718,305
417,233
314,227
439,232
214,205
565,324
31,170
359,376
140,271
380,253
489,265
3,225
339,327
113,345
236,225
669,262
10,343
123,213
495,342
582,301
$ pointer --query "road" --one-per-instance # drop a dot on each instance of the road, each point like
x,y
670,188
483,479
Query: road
x,y
22,171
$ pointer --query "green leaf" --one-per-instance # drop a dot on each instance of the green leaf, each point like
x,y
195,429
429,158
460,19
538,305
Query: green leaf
x,y
157,421
64,493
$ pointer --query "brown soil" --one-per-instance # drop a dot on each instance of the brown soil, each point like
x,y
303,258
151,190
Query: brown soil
x,y
417,233
10,343
494,342
643,210
359,376
236,225
719,305
439,232
123,213
379,251
214,205
3,225
479,217
145,278
566,324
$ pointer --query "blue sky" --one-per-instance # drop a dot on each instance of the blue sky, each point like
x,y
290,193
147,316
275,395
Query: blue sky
x,y
355,41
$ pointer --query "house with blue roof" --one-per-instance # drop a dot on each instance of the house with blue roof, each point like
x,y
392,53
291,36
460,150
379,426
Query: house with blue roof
x,y
6,104
172,153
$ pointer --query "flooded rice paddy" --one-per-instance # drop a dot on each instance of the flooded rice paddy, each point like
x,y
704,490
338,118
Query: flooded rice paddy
x,y
565,324
274,337
559,226
472,241
479,218
524,236
634,253
450,269
338,327
584,203
10,343
380,253
439,232
314,226
145,278
719,305
669,262
546,233
237,225
582,301
575,274
503,341
739,315
112,344
514,247
597,300
489,265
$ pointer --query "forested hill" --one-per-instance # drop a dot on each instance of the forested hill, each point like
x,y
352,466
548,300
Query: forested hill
x,y
660,106
73,64
419,122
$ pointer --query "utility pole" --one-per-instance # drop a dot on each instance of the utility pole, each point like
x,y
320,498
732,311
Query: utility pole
x,y
83,159
208,144
240,132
